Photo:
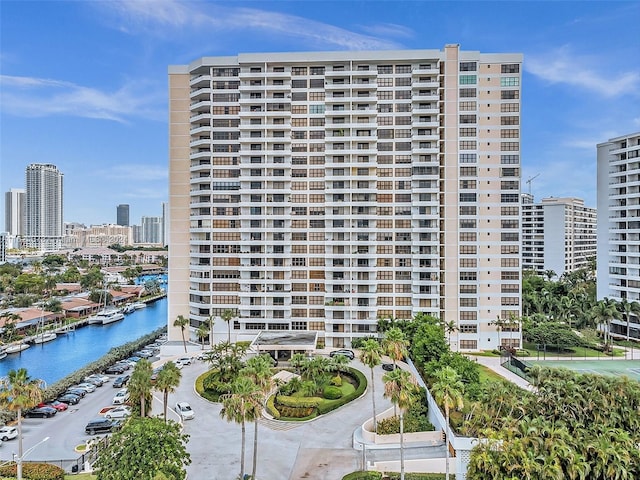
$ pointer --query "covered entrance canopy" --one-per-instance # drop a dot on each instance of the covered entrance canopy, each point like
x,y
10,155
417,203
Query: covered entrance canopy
x,y
282,344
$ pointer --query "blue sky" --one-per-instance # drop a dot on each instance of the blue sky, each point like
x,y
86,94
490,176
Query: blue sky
x,y
83,85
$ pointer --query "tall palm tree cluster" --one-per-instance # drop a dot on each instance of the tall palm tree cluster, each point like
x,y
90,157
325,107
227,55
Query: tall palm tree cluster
x,y
573,426
571,301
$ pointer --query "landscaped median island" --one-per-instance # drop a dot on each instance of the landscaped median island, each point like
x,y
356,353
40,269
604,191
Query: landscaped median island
x,y
310,387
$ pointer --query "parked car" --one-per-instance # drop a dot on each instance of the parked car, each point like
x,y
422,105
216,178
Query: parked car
x,y
204,355
104,378
115,369
59,406
183,362
69,399
41,412
134,359
7,433
121,397
121,381
89,387
118,412
144,353
124,364
184,410
389,367
154,374
76,391
101,425
344,352
95,380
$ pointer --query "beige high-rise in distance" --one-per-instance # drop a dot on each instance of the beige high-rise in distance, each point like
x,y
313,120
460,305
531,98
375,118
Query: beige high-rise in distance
x,y
323,191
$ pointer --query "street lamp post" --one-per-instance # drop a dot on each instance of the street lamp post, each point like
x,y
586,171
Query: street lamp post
x,y
20,458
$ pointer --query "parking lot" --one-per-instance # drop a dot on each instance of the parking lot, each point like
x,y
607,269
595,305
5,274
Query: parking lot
x,y
318,449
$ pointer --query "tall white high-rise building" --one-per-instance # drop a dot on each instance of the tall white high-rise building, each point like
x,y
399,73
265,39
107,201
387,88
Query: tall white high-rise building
x,y
619,226
323,191
558,234
14,211
43,226
151,230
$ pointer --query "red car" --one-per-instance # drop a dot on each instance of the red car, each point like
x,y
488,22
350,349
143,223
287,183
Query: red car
x,y
59,406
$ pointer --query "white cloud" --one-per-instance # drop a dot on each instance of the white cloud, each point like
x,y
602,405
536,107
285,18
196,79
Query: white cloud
x,y
219,19
562,66
42,97
388,30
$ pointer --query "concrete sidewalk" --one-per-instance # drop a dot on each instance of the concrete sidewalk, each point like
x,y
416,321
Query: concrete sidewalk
x,y
493,363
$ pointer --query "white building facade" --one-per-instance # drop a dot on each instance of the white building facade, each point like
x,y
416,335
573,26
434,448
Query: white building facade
x,y
619,225
558,234
324,191
43,224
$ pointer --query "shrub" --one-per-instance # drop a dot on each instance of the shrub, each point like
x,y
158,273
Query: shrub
x,y
271,407
337,380
331,392
414,476
363,476
33,471
361,382
297,402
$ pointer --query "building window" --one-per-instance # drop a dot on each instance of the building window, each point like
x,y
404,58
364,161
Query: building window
x,y
509,81
468,79
468,66
510,68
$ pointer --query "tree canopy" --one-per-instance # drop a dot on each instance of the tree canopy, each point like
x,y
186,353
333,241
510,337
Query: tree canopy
x,y
145,449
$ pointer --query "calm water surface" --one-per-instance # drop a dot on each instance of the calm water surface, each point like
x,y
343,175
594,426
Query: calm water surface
x,y
55,360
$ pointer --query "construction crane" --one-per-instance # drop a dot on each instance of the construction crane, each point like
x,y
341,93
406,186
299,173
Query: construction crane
x,y
531,179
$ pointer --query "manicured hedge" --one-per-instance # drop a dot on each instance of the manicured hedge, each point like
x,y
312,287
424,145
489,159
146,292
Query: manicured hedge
x,y
361,380
414,476
298,402
363,476
33,471
271,407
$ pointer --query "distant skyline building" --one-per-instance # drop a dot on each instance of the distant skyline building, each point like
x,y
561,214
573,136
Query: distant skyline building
x,y
3,247
122,215
558,234
43,225
618,249
151,230
165,224
323,191
14,211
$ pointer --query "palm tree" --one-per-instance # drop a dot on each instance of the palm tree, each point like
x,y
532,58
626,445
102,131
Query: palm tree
x,y
395,344
211,323
399,388
167,381
19,392
297,361
499,323
182,322
447,391
202,332
140,385
627,308
227,316
449,328
259,370
602,313
371,356
239,406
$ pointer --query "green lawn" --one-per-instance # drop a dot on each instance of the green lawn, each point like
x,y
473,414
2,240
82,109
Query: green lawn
x,y
488,375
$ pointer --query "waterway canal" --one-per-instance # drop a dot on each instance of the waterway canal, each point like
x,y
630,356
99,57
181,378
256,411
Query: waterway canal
x,y
55,360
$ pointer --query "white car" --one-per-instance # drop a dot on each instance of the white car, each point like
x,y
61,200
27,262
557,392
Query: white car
x,y
183,362
7,433
87,387
121,397
118,412
184,410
